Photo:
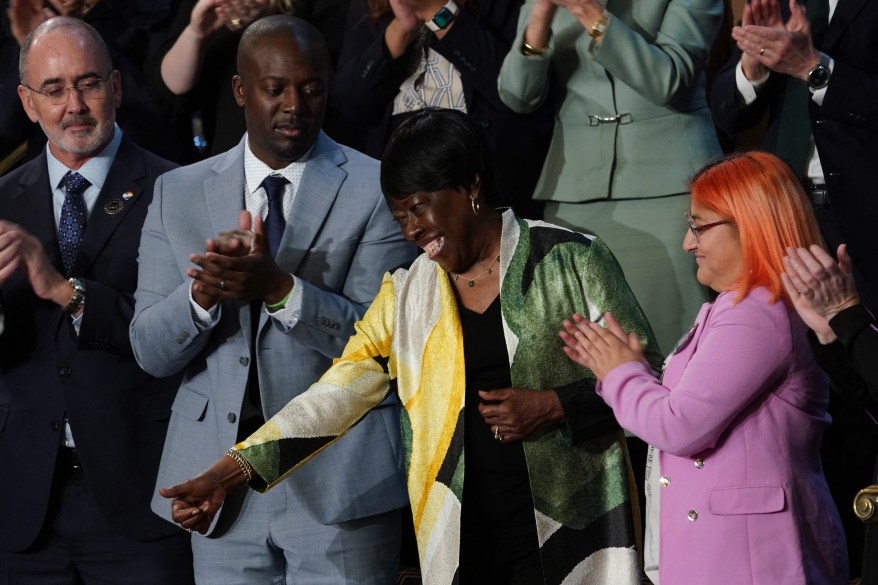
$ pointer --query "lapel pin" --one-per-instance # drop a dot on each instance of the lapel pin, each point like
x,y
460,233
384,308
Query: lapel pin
x,y
127,195
113,207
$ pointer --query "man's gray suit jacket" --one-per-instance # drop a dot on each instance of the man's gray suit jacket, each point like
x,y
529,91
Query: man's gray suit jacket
x,y
339,240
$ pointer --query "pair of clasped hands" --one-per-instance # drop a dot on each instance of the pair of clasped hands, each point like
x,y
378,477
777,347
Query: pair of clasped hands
x,y
238,265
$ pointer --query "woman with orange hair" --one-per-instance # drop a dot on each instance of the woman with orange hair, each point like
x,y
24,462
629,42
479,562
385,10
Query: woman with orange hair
x,y
735,490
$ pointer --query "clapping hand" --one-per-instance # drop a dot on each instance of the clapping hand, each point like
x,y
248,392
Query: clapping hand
x,y
786,49
599,349
819,287
238,265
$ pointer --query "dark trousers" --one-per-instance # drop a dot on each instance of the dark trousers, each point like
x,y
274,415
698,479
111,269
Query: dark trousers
x,y
78,547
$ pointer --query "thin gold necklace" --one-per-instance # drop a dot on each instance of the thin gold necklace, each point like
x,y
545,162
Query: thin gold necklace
x,y
472,281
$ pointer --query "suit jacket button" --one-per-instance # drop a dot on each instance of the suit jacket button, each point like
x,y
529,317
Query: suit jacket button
x,y
55,426
244,361
232,417
664,481
693,515
699,463
65,371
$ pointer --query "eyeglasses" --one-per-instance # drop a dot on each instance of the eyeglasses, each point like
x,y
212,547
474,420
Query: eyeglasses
x,y
697,229
56,95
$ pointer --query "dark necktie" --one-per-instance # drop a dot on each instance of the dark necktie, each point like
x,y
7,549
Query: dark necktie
x,y
818,16
73,218
794,121
275,222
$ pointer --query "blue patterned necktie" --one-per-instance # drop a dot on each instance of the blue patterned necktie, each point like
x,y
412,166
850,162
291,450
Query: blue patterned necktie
x,y
275,222
73,218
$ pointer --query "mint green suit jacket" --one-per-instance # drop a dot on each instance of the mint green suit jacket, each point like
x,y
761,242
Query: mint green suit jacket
x,y
632,119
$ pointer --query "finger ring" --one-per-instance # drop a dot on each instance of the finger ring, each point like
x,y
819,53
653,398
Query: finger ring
x,y
235,22
762,51
497,434
222,284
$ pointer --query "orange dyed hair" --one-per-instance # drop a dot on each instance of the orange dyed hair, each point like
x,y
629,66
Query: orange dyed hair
x,y
764,198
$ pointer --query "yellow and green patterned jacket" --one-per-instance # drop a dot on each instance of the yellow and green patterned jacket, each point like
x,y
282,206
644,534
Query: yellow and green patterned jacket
x,y
410,342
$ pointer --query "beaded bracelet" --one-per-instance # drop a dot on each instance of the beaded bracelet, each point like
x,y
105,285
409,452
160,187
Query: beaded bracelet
x,y
246,468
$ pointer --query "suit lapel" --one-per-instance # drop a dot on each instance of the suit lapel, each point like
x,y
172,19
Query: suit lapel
x,y
224,198
31,207
224,191
845,13
122,190
320,184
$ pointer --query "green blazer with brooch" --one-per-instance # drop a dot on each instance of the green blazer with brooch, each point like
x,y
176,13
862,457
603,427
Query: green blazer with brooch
x,y
632,119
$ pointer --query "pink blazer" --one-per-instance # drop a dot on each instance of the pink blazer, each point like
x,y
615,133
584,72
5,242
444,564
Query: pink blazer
x,y
738,419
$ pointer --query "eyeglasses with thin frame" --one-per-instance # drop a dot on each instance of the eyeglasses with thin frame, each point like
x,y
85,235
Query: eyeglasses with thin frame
x,y
697,229
90,88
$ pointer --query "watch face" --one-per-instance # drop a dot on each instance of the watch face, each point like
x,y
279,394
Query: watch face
x,y
443,17
819,76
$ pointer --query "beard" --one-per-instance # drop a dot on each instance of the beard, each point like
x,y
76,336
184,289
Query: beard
x,y
83,142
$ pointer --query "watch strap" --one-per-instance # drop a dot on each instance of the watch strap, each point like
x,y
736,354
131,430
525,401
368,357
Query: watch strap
x,y
443,17
818,77
78,298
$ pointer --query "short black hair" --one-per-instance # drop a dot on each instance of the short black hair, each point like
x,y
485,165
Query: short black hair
x,y
437,149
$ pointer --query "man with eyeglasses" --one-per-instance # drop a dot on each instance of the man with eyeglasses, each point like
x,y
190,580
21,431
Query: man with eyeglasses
x,y
81,425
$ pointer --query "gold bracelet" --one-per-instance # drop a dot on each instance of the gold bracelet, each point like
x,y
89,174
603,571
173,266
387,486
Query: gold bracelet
x,y
597,30
531,51
246,468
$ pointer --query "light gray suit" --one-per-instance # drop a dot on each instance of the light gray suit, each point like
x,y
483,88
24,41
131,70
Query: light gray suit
x,y
339,240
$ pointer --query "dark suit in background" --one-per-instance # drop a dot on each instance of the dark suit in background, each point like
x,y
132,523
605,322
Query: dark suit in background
x,y
78,514
845,130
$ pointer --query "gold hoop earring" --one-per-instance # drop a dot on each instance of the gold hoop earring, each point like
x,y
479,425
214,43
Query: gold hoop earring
x,y
475,205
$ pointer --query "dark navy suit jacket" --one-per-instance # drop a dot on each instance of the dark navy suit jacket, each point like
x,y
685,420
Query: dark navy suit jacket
x,y
845,127
118,413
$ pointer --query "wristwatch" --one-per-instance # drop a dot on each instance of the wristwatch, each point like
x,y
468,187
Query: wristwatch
x,y
443,17
818,78
597,30
78,299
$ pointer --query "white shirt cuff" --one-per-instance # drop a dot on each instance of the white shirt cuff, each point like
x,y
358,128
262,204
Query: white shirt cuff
x,y
204,318
746,87
288,316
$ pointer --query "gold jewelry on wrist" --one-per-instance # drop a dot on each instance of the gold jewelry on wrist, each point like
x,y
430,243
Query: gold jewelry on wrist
x,y
245,466
531,51
597,30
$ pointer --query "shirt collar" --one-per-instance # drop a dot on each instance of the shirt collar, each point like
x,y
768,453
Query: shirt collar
x,y
255,170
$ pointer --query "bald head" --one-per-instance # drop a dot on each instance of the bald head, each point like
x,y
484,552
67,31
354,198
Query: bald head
x,y
67,25
306,37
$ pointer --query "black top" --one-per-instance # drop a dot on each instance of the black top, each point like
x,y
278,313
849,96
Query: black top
x,y
499,535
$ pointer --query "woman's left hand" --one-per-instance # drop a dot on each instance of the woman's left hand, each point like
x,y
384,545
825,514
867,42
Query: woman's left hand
x,y
516,414
598,349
